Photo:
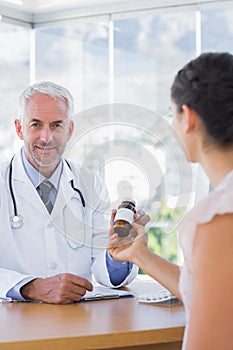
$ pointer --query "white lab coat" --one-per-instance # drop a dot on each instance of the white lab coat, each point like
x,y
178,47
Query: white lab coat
x,y
41,247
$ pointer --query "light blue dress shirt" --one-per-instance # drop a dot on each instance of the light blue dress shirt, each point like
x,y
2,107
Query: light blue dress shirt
x,y
118,270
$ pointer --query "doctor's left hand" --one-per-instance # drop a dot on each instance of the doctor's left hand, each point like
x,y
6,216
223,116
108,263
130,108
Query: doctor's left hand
x,y
64,288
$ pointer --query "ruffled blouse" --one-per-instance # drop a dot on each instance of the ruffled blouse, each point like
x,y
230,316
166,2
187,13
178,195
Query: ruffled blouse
x,y
219,202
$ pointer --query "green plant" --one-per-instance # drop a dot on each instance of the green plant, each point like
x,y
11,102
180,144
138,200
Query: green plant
x,y
162,241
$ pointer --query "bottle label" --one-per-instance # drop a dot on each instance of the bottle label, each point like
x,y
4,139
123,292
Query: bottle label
x,y
124,214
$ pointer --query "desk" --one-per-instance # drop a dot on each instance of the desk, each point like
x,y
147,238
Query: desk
x,y
108,324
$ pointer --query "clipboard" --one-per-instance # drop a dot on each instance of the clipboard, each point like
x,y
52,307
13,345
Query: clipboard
x,y
105,293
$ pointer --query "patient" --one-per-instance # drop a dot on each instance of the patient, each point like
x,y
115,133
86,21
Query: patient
x,y
202,106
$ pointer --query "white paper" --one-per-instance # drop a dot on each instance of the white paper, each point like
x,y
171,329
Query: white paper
x,y
5,300
104,293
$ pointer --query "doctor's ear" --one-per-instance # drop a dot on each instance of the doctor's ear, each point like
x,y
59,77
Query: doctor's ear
x,y
19,128
71,129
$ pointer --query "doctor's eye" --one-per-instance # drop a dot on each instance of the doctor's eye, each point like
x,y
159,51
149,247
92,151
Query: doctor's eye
x,y
35,124
56,125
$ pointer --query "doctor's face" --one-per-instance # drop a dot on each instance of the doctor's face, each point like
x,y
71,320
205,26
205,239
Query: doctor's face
x,y
45,131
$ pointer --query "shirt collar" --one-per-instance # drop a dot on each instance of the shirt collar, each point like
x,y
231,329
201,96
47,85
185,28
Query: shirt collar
x,y
36,177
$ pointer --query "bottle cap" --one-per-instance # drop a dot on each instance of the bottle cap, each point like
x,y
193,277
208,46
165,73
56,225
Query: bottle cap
x,y
129,200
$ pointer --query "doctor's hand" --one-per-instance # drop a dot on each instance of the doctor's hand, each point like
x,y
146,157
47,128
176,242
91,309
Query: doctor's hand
x,y
133,246
64,288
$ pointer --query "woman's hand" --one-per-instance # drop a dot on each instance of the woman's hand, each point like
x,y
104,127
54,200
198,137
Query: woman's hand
x,y
130,247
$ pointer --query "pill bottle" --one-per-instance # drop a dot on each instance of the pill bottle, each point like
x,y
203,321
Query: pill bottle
x,y
124,217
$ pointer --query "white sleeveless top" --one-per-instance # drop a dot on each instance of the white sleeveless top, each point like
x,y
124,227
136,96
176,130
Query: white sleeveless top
x,y
219,202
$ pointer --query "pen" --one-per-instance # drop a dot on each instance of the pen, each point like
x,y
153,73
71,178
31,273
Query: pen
x,y
102,297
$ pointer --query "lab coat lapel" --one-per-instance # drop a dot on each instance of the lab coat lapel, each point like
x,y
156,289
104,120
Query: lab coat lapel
x,y
22,185
65,191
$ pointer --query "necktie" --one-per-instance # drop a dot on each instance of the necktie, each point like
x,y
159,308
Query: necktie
x,y
45,188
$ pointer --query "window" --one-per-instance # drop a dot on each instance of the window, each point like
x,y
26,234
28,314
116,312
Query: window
x,y
148,51
76,57
14,67
217,30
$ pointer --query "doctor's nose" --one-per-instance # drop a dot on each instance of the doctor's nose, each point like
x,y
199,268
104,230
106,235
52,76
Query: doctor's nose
x,y
46,135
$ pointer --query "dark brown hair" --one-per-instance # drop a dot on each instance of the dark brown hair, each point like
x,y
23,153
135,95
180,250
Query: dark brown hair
x,y
205,84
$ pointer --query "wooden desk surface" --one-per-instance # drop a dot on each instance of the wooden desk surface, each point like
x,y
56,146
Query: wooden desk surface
x,y
108,324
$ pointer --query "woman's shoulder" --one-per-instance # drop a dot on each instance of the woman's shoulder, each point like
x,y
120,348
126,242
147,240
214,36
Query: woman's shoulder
x,y
218,202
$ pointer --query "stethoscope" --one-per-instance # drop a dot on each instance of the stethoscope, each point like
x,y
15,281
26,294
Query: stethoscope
x,y
16,220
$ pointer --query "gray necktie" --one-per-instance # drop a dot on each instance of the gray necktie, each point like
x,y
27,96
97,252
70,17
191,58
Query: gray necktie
x,y
45,188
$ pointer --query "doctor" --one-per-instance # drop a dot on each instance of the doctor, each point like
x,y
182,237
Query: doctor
x,y
54,239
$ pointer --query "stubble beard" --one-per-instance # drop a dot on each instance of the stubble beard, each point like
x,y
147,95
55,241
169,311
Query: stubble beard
x,y
41,162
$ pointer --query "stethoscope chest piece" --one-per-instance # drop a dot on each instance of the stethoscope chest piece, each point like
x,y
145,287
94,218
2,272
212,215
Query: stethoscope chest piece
x,y
16,221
